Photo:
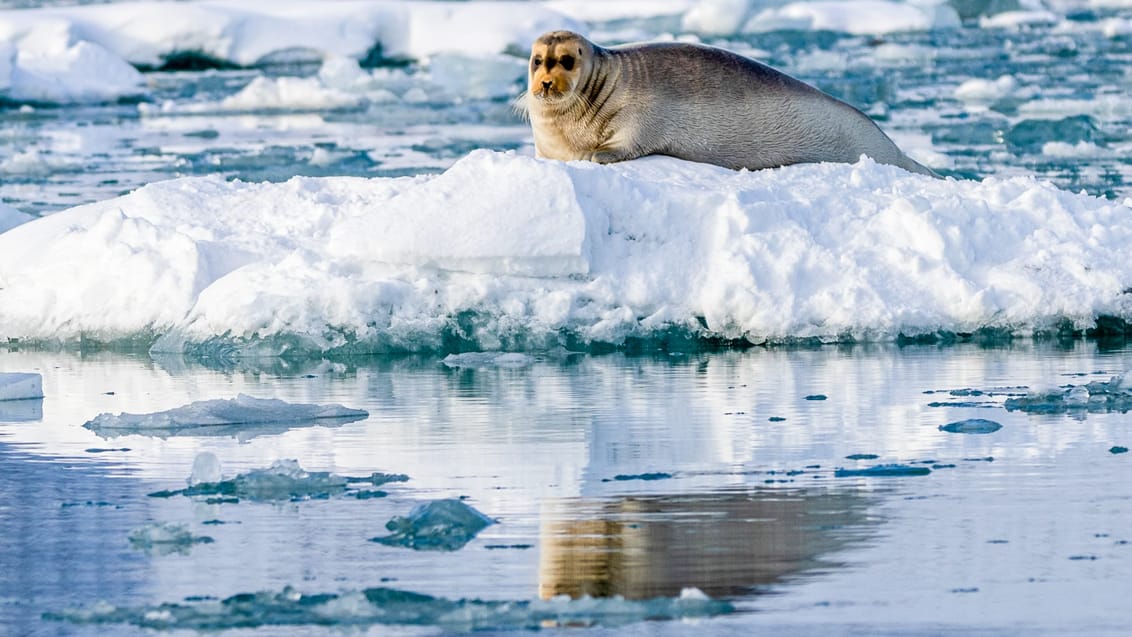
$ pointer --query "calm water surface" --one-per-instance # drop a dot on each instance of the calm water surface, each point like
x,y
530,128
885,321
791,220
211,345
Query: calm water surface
x,y
1021,530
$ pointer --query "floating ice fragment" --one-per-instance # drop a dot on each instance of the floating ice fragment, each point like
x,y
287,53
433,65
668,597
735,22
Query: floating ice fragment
x,y
488,359
206,468
862,456
242,410
971,426
20,386
440,525
816,397
389,606
655,475
378,478
284,480
883,471
164,539
1117,449
1097,396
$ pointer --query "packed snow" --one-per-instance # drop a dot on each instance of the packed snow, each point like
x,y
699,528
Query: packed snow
x,y
504,251
20,386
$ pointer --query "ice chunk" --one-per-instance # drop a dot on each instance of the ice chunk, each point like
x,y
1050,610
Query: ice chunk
x,y
440,525
971,426
488,359
20,386
284,480
1097,396
164,539
206,468
389,606
242,410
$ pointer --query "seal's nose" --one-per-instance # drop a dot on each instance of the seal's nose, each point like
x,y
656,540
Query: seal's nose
x,y
546,85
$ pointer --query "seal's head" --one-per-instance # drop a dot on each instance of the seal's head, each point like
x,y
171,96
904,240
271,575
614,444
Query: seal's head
x,y
558,61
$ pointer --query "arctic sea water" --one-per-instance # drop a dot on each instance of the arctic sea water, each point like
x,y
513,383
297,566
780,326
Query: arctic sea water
x,y
952,460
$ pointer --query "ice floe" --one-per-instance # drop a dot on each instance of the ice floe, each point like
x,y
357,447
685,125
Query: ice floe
x,y
284,480
234,412
971,426
20,386
504,251
389,606
440,525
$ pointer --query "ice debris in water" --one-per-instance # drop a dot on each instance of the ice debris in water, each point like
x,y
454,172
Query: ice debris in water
x,y
241,410
883,471
440,525
20,386
206,468
391,606
284,480
1097,396
164,539
971,426
488,359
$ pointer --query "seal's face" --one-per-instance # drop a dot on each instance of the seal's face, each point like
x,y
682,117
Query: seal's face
x,y
557,61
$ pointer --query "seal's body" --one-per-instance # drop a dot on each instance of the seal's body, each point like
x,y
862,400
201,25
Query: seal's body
x,y
694,102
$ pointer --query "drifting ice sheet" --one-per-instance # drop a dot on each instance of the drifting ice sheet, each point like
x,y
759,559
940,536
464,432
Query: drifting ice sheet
x,y
242,410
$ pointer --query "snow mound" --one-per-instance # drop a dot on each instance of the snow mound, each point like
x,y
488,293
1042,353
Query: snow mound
x,y
20,386
860,17
508,252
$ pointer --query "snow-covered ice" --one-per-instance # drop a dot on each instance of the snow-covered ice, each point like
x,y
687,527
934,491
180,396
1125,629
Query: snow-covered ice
x,y
242,410
20,386
504,251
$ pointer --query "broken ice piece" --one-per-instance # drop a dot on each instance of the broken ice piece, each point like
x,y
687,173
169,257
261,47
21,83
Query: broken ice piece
x,y
20,386
440,525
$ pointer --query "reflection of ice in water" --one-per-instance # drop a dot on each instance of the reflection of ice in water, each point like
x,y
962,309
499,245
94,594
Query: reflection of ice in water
x,y
724,544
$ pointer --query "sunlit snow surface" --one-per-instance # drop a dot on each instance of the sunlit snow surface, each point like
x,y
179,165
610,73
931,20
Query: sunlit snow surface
x,y
507,251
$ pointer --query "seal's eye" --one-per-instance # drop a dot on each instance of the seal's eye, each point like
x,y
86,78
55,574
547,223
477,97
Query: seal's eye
x,y
537,62
567,62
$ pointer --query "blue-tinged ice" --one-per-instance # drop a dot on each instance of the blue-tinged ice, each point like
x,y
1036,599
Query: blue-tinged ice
x,y
20,386
489,359
389,606
242,410
440,525
284,480
1097,396
971,426
164,539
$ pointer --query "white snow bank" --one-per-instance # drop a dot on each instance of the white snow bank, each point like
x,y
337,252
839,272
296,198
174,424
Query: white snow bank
x,y
249,32
20,386
509,251
10,217
241,410
50,71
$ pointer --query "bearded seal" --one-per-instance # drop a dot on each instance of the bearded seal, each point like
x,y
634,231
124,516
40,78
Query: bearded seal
x,y
689,101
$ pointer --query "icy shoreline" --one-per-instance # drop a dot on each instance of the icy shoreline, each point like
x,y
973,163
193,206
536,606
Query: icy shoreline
x,y
503,251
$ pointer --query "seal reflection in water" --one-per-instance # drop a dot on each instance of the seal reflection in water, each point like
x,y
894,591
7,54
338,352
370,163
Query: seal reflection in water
x,y
690,101
724,544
